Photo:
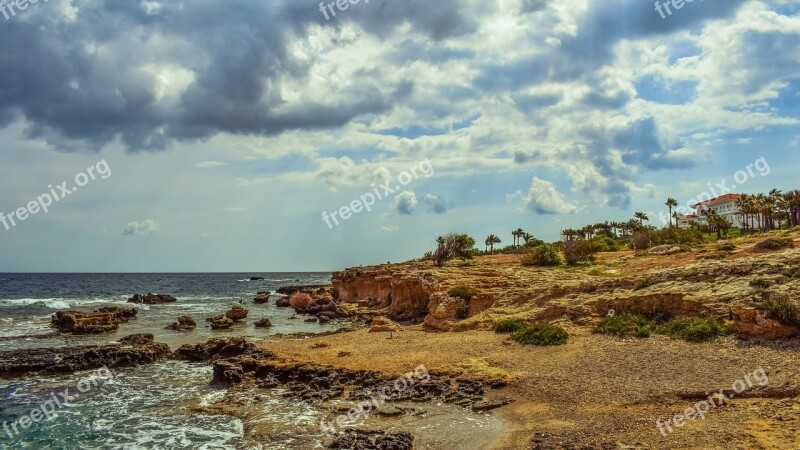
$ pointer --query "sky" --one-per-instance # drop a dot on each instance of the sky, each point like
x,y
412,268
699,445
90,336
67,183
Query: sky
x,y
217,136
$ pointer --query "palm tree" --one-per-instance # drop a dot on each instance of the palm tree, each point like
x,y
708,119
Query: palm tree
x,y
671,203
526,237
642,217
491,240
517,234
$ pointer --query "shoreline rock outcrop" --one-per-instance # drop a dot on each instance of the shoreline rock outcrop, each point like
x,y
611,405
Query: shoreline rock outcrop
x,y
133,350
102,320
152,299
184,323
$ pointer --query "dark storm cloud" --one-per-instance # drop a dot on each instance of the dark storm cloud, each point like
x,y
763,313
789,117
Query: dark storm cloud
x,y
79,83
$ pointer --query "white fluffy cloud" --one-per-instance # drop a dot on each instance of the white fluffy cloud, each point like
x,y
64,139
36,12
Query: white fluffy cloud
x,y
544,198
143,228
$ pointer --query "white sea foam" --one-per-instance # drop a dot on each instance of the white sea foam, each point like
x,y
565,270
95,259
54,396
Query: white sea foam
x,y
53,303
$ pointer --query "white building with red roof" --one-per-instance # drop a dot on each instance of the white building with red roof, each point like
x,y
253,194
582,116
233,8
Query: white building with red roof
x,y
724,205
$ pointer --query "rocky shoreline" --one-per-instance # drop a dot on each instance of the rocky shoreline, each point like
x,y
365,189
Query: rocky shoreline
x,y
405,314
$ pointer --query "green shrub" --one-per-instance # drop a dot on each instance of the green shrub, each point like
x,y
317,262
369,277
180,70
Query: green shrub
x,y
783,309
597,272
760,283
541,334
545,255
589,289
694,329
645,283
463,292
509,326
791,272
624,325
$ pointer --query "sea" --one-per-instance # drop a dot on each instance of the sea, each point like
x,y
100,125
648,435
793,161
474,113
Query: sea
x,y
171,404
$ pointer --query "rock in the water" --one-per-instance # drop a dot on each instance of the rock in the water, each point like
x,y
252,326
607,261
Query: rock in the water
x,y
102,320
283,302
236,313
221,323
184,323
220,348
137,339
263,323
256,278
261,298
138,350
152,299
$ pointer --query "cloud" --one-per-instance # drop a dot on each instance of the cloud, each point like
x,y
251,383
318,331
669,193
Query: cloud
x,y
142,228
210,164
435,204
544,198
405,203
390,229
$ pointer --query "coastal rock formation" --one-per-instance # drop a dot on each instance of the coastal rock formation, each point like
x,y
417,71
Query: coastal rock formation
x,y
135,350
283,302
221,323
101,320
184,323
256,278
152,299
261,298
407,294
308,289
135,340
236,313
263,323
666,284
219,348
752,323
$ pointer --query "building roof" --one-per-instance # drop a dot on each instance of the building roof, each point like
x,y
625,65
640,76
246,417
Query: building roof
x,y
718,201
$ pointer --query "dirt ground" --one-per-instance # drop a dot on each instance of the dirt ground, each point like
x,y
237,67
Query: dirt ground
x,y
596,391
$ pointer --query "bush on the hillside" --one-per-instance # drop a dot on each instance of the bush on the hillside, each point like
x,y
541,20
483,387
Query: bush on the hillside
x,y
578,250
604,244
463,292
760,283
694,329
645,238
541,334
778,243
453,246
545,255
726,247
782,308
509,326
624,325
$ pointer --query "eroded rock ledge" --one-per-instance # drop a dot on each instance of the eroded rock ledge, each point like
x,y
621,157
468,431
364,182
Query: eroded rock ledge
x,y
101,320
133,350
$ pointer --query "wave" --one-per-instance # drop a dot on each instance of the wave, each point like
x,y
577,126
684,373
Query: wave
x,y
52,303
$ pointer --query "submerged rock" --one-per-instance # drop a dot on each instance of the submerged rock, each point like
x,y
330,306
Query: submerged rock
x,y
263,323
184,323
221,323
262,298
101,320
135,350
